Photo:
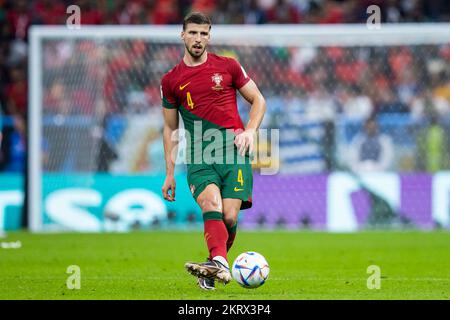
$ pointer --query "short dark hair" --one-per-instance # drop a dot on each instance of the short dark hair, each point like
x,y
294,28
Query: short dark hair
x,y
197,18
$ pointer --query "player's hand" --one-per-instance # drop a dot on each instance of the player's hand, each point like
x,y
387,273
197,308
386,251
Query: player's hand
x,y
245,141
169,185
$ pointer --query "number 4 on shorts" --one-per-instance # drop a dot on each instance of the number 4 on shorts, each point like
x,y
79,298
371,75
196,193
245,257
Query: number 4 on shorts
x,y
240,178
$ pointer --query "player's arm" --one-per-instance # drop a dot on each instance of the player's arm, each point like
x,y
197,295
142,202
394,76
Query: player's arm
x,y
170,152
251,93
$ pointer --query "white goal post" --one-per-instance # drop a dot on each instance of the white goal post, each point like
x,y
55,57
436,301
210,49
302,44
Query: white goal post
x,y
236,35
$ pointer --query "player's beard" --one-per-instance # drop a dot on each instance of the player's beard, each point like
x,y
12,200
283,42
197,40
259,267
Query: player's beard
x,y
193,54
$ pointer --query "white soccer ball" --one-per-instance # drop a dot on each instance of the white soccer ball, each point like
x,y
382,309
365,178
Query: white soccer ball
x,y
250,270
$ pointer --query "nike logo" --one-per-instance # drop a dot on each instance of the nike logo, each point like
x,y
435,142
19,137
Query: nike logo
x,y
236,189
182,87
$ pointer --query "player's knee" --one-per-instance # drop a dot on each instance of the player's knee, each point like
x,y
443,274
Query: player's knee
x,y
210,205
230,220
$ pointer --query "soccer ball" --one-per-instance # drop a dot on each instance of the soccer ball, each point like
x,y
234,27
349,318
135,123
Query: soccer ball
x,y
250,269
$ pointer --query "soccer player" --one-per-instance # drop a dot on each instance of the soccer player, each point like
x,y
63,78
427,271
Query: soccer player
x,y
202,89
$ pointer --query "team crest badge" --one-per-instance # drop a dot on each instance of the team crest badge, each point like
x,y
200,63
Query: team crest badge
x,y
217,79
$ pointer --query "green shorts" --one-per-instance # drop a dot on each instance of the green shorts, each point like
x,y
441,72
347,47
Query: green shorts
x,y
235,181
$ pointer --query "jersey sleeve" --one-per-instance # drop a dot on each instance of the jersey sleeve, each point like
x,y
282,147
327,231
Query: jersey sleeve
x,y
169,100
240,77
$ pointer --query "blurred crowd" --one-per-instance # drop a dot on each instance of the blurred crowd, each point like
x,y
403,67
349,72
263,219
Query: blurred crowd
x,y
356,82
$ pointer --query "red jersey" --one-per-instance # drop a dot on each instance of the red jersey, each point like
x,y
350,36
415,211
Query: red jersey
x,y
206,92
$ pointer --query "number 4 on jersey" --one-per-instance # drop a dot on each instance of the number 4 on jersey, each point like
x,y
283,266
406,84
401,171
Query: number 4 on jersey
x,y
189,100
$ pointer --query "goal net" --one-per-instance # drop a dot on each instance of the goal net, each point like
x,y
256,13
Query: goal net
x,y
96,155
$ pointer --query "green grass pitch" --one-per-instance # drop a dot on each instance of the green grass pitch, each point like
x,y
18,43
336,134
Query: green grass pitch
x,y
303,265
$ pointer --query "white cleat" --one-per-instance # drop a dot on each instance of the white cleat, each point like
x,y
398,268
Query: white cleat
x,y
210,269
